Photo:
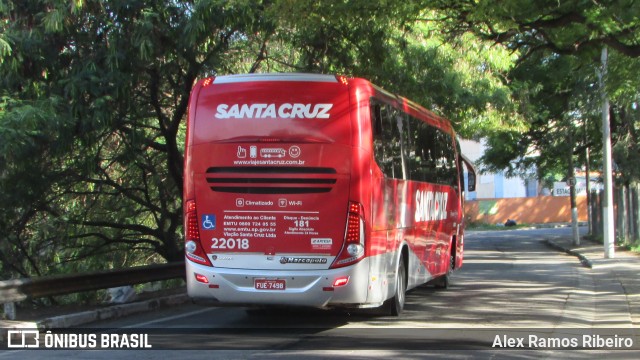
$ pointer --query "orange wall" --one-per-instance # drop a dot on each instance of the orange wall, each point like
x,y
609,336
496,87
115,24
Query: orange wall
x,y
529,210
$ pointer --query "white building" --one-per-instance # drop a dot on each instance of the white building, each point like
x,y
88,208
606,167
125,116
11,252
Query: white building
x,y
495,186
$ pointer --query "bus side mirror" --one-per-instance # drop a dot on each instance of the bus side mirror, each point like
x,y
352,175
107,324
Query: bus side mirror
x,y
471,186
471,173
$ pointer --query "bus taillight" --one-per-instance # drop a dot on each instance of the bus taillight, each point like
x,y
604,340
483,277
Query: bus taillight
x,y
353,248
193,247
207,82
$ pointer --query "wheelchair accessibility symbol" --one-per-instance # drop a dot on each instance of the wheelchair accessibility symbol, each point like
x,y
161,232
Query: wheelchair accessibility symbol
x,y
208,222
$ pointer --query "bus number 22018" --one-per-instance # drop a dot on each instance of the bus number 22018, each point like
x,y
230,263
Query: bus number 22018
x,y
222,243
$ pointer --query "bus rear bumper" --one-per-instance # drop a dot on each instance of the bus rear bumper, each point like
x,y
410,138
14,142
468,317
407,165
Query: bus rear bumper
x,y
313,288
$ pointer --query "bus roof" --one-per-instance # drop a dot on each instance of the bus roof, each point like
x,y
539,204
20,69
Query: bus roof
x,y
274,77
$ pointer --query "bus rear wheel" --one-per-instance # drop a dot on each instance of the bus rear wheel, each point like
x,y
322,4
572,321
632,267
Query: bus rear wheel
x,y
443,282
395,305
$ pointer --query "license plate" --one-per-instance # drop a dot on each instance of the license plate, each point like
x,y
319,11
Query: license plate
x,y
267,284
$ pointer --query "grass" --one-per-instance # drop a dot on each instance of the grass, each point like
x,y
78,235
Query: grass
x,y
594,238
633,247
491,227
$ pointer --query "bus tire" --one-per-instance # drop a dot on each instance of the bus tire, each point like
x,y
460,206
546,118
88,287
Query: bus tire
x,y
395,305
443,282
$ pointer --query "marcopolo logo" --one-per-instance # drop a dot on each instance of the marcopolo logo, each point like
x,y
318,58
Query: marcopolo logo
x,y
273,111
300,260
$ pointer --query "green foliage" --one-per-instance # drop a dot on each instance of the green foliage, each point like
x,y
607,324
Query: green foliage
x,y
92,101
554,81
579,27
393,45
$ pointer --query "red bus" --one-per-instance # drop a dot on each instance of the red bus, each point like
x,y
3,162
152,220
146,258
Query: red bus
x,y
318,190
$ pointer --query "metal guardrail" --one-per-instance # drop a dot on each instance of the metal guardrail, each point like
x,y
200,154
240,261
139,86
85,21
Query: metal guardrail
x,y
21,289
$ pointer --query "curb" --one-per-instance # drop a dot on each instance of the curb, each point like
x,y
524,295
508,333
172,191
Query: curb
x,y
583,259
110,312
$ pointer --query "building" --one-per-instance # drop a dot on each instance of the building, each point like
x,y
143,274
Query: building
x,y
496,186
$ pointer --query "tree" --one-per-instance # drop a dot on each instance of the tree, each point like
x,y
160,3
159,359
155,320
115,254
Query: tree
x,y
574,27
541,33
555,97
624,85
93,100
390,44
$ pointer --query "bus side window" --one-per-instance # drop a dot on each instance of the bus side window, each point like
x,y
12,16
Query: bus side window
x,y
403,140
459,169
376,116
428,149
391,130
449,173
393,142
381,149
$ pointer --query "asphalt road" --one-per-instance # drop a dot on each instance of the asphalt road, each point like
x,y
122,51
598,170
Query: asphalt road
x,y
511,290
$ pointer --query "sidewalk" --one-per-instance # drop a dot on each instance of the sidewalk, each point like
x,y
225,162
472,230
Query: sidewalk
x,y
623,269
591,253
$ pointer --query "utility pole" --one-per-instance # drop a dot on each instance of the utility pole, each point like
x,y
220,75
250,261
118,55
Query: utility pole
x,y
587,175
588,183
572,191
607,174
